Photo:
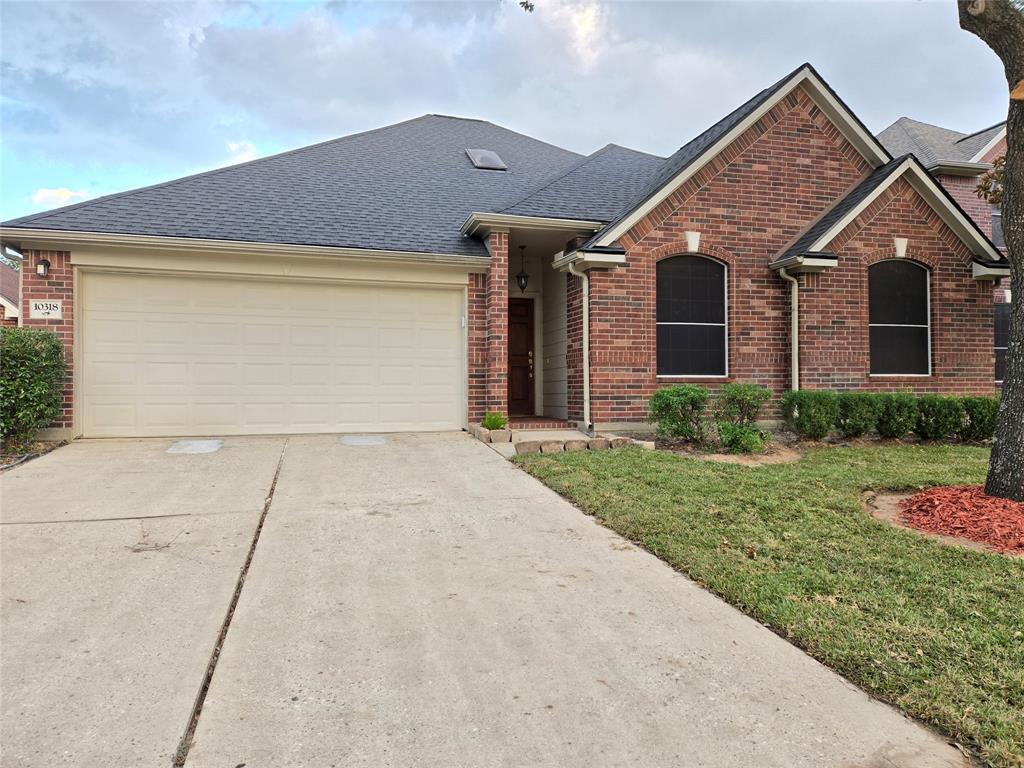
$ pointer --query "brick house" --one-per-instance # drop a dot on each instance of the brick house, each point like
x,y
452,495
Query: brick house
x,y
418,275
10,281
958,160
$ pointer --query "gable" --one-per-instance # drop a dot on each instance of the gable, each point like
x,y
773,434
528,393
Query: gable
x,y
693,157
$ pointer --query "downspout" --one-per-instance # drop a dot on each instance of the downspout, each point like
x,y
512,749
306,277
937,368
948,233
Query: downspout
x,y
794,326
585,284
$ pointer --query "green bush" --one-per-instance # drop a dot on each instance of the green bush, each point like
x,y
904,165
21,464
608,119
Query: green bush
x,y
858,413
740,403
493,420
678,410
980,417
741,438
31,382
897,414
938,417
811,413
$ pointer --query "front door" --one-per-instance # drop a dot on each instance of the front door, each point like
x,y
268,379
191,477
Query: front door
x,y
520,357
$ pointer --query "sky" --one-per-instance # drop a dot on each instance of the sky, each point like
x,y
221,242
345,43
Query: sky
x,y
100,97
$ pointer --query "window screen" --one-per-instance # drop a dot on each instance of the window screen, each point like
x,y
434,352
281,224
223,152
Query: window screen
x,y
691,317
1002,324
997,228
898,318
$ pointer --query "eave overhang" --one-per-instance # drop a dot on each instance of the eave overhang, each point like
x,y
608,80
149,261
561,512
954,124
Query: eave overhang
x,y
481,224
981,270
956,168
594,257
51,239
805,263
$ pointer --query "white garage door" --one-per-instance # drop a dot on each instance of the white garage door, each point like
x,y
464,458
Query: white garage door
x,y
167,356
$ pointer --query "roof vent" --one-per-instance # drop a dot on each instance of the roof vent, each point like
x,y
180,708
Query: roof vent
x,y
486,160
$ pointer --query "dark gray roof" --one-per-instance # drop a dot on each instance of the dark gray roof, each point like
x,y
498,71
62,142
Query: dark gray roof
x,y
932,144
595,189
846,204
405,187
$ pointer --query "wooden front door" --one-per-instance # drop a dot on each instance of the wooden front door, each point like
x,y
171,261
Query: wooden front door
x,y
520,357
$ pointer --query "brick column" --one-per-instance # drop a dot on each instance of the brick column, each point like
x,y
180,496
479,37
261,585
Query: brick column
x,y
574,346
58,284
497,323
476,343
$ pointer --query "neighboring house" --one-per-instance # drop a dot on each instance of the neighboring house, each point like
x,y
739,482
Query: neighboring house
x,y
958,160
415,276
10,280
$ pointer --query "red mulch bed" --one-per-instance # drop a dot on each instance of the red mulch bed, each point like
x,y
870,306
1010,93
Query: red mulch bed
x,y
965,511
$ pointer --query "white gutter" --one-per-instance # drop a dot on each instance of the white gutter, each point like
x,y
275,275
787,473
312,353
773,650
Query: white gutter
x,y
586,343
794,326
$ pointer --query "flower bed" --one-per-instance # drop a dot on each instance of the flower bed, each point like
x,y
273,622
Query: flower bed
x,y
966,511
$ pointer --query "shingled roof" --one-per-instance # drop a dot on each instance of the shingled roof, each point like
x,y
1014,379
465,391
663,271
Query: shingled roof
x,y
595,189
934,145
404,187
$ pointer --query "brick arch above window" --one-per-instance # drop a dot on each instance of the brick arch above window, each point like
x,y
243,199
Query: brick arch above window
x,y
922,258
681,248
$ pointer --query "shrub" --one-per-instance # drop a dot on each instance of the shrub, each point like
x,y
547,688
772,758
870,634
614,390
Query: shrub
x,y
897,414
678,410
980,417
811,413
31,382
741,438
938,418
858,413
740,403
493,420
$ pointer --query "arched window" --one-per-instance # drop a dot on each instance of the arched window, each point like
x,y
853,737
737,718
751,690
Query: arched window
x,y
691,317
900,336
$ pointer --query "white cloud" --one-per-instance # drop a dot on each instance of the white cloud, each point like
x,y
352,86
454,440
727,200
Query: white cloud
x,y
241,151
50,198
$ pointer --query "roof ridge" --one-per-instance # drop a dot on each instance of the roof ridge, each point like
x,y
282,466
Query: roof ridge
x,y
42,215
983,130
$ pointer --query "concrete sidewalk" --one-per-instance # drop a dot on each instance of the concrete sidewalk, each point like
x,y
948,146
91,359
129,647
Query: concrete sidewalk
x,y
117,563
425,603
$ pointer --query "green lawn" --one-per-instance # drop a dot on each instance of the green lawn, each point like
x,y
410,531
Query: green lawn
x,y
936,630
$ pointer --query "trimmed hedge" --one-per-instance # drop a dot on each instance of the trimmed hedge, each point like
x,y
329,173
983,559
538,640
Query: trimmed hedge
x,y
898,414
938,418
979,418
858,413
678,412
811,413
32,371
735,413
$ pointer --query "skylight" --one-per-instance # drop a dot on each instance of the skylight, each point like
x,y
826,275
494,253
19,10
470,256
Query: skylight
x,y
486,160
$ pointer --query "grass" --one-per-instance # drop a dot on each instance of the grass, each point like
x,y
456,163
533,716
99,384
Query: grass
x,y
936,630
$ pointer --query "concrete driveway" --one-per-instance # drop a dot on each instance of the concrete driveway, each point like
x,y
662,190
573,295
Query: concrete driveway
x,y
416,603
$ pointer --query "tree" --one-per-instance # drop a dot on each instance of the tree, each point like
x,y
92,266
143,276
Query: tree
x,y
1000,25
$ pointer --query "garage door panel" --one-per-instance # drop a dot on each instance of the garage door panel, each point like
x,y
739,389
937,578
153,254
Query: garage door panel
x,y
203,356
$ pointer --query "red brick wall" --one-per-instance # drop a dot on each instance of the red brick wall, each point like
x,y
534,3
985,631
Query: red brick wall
x,y
9,322
497,323
58,284
476,342
750,202
961,188
834,303
574,346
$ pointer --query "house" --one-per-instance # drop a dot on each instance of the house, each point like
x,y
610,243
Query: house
x,y
10,280
418,275
958,160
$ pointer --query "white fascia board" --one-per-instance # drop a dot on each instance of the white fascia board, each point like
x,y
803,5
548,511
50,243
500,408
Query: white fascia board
x,y
1000,135
589,260
865,143
801,264
65,239
929,189
985,272
10,309
952,168
483,223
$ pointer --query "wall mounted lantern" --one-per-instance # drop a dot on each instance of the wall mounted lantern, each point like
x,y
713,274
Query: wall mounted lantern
x,y
522,278
42,267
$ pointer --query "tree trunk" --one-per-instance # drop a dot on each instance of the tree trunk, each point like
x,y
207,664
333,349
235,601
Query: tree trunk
x,y
1000,25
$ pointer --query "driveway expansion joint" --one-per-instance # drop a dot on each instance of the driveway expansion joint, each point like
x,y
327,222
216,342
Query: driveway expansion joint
x,y
185,744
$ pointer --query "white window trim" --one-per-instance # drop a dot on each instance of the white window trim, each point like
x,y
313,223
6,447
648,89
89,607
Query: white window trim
x,y
928,309
725,325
